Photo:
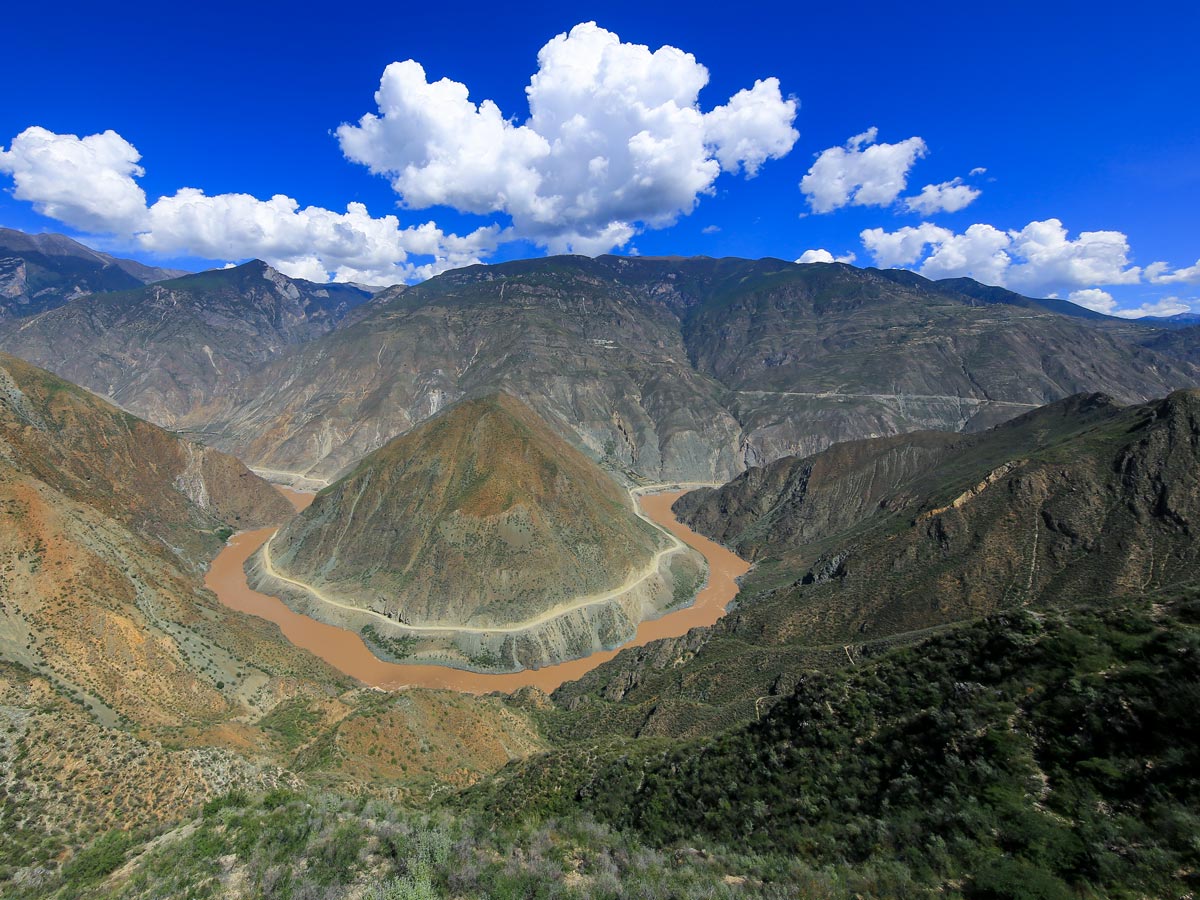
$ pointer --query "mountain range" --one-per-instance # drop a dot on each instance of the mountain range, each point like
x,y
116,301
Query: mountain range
x,y
961,663
675,369
666,368
162,349
43,271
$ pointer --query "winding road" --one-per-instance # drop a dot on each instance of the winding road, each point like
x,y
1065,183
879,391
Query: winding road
x,y
346,651
636,578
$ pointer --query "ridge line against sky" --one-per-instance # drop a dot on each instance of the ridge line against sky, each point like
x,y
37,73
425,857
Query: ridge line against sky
x,y
621,146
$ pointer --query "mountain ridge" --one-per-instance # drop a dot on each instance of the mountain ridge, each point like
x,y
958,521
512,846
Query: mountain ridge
x,y
688,371
44,271
161,349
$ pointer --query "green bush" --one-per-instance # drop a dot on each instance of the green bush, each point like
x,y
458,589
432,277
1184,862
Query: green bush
x,y
101,858
1005,878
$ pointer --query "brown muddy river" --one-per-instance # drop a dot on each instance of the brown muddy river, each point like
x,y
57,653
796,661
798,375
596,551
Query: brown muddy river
x,y
346,651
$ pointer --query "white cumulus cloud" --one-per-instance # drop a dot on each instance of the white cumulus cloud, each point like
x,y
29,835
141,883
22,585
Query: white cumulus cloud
x,y
88,184
1103,302
904,246
85,182
949,196
821,255
862,173
1161,273
1038,259
1167,306
615,141
1094,299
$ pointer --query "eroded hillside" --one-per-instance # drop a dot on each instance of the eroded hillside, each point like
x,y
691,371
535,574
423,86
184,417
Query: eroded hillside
x,y
681,369
483,519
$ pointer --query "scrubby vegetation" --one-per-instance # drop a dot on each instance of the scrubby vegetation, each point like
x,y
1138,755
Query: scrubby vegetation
x,y
1030,755
385,646
1050,754
289,845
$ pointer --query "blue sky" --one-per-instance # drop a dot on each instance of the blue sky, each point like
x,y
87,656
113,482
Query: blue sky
x,y
1078,112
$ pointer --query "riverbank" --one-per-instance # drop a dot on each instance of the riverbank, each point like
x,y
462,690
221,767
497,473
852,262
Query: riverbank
x,y
346,651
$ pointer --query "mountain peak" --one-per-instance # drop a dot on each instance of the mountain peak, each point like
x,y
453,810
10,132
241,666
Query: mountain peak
x,y
480,515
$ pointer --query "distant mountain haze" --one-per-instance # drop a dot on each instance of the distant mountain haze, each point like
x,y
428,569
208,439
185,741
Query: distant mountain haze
x,y
43,271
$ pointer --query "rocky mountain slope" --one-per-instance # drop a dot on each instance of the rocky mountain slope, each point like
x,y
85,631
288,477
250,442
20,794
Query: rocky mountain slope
x,y
688,369
1181,343
162,349
796,501
481,517
849,563
44,271
105,522
128,694
1076,500
172,492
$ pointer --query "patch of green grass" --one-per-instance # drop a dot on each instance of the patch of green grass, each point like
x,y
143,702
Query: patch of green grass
x,y
292,723
97,860
386,646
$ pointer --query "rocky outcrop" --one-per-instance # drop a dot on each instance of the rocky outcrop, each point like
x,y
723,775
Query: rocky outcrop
x,y
971,493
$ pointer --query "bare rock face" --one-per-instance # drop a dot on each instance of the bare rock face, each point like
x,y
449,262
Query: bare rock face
x,y
166,348
689,369
482,516
43,271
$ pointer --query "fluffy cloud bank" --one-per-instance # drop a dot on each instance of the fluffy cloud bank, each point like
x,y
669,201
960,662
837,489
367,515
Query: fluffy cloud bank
x,y
862,173
1102,301
1038,259
821,255
615,141
88,184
